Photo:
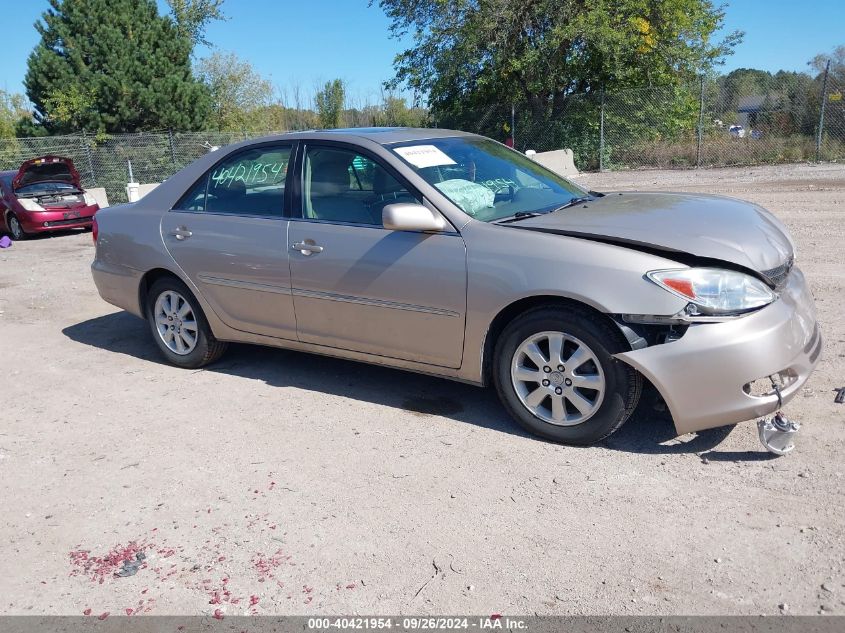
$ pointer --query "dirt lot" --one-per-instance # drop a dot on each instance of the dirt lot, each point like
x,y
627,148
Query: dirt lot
x,y
277,482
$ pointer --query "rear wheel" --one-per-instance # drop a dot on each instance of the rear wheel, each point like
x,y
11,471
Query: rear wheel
x,y
179,326
556,375
15,228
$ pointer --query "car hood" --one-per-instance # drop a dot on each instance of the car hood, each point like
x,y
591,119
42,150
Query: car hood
x,y
711,227
47,169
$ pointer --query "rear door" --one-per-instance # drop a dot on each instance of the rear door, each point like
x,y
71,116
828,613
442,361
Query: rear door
x,y
229,235
364,288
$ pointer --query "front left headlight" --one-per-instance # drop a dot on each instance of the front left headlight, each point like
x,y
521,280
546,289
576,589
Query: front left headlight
x,y
715,291
29,204
89,199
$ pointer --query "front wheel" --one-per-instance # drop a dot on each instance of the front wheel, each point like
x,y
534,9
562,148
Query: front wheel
x,y
15,228
556,375
179,326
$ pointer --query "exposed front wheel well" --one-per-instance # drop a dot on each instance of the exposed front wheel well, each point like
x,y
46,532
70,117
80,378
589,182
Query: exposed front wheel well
x,y
515,309
147,281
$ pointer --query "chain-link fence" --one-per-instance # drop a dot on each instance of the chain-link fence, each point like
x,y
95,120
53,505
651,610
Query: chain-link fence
x,y
706,124
105,161
709,123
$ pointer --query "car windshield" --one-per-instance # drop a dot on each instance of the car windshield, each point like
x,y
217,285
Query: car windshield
x,y
45,188
487,180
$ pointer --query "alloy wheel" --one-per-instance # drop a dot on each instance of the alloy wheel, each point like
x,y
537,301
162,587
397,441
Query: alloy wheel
x,y
558,378
176,323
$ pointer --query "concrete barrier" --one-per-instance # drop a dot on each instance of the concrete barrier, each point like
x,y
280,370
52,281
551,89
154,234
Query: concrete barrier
x,y
100,196
143,190
561,161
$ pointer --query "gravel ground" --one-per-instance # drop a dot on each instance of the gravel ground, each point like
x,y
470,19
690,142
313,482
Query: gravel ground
x,y
281,483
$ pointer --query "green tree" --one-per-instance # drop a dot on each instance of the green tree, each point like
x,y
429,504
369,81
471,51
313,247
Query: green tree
x,y
238,93
742,83
276,117
113,66
467,54
13,113
394,111
329,103
192,17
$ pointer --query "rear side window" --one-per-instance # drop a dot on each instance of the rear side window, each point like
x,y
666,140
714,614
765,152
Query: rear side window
x,y
250,183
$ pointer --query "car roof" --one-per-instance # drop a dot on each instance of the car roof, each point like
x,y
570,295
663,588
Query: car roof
x,y
380,135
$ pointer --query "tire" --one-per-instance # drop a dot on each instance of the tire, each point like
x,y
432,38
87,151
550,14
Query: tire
x,y
605,390
170,306
15,228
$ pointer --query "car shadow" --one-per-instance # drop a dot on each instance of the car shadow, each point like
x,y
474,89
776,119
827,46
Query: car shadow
x,y
649,431
47,235
418,394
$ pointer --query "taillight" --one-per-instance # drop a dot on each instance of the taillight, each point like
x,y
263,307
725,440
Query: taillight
x,y
95,230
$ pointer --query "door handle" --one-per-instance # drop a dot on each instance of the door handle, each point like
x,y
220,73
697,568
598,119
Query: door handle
x,y
181,233
306,248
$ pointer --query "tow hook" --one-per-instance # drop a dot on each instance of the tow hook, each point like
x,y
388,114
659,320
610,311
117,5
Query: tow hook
x,y
778,433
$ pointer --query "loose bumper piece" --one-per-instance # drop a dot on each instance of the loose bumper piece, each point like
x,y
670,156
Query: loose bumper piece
x,y
778,433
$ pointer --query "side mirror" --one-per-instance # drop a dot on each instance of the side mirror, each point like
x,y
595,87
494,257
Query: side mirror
x,y
404,216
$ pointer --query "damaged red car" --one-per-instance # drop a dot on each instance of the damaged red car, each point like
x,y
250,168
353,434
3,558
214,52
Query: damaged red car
x,y
45,194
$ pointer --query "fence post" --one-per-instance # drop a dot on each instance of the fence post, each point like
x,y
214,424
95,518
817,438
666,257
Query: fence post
x,y
821,113
700,125
172,148
89,155
513,125
601,133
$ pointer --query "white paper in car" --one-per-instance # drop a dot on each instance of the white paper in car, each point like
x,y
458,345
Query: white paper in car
x,y
424,156
468,195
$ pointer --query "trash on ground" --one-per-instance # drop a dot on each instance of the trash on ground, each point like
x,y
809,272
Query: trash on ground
x,y
130,567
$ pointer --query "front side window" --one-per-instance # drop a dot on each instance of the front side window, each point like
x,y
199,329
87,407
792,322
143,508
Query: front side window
x,y
250,183
487,180
340,185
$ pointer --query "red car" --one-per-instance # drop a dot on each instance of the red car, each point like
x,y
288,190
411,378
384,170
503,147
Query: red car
x,y
44,195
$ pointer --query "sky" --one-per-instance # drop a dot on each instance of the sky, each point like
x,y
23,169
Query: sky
x,y
292,42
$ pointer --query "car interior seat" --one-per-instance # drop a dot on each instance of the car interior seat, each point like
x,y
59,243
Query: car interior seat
x,y
328,194
387,190
228,198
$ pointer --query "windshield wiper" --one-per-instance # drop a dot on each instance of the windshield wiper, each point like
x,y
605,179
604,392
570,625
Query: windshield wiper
x,y
575,201
522,215
516,217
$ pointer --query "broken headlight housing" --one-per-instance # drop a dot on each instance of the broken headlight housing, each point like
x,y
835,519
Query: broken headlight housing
x,y
714,291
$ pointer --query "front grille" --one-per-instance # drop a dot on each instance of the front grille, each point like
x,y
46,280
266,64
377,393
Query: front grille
x,y
778,276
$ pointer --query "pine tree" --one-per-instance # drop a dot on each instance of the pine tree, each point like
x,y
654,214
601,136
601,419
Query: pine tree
x,y
113,66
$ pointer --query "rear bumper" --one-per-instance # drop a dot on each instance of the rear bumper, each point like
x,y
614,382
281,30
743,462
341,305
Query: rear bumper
x,y
40,221
702,375
118,285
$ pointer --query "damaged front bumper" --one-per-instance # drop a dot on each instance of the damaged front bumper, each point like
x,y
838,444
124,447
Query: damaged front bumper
x,y
708,376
